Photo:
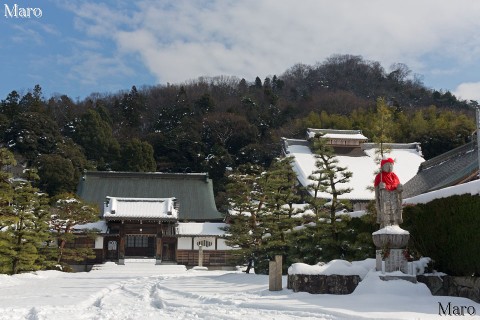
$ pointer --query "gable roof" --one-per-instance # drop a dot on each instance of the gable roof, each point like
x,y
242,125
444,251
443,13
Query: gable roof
x,y
139,208
451,168
194,191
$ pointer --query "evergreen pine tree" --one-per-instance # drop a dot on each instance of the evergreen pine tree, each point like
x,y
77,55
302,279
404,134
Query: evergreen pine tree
x,y
6,189
324,239
68,210
21,240
330,177
96,137
279,185
10,106
246,204
137,156
382,127
262,202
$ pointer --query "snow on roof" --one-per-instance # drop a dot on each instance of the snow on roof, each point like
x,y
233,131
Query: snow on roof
x,y
99,225
138,208
472,188
200,229
337,134
363,168
344,136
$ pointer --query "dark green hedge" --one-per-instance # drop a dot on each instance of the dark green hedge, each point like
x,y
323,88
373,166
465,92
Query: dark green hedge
x,y
448,231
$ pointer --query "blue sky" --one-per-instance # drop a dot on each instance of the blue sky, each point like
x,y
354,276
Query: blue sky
x,y
82,47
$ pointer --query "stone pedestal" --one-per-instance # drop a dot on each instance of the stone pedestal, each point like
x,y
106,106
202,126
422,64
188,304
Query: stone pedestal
x,y
392,260
391,242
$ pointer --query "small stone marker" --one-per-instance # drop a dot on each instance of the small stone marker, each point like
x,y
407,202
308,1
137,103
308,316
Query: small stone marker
x,y
200,255
275,274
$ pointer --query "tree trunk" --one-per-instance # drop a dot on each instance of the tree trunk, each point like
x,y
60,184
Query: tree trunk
x,y
249,266
15,266
60,250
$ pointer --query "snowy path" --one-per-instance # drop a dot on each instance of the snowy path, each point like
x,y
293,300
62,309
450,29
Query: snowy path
x,y
145,291
173,299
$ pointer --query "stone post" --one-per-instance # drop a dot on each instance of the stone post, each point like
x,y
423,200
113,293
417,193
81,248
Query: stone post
x,y
275,274
200,255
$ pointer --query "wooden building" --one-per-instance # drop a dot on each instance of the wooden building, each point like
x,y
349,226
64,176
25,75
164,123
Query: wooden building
x,y
155,215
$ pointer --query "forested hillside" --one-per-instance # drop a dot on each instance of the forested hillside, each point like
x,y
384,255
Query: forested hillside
x,y
210,124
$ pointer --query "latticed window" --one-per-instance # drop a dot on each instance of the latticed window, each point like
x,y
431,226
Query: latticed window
x,y
137,241
168,230
205,243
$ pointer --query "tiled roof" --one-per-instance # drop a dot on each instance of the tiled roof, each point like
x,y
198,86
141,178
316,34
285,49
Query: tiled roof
x,y
194,191
451,168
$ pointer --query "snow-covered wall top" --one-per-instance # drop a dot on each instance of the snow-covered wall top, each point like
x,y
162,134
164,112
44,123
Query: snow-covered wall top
x,y
472,188
200,229
101,226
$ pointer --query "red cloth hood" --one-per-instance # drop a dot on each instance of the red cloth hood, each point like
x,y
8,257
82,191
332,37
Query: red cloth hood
x,y
386,161
389,178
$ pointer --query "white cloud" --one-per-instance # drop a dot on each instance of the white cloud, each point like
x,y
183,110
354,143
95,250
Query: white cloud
x,y
468,91
180,40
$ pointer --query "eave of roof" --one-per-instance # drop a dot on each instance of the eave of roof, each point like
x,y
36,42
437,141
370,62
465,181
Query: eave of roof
x,y
448,169
139,218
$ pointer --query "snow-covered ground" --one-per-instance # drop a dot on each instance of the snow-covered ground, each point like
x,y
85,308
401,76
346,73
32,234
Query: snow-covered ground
x,y
141,290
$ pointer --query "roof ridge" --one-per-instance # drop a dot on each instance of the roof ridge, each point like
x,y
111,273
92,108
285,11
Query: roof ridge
x,y
393,145
153,175
352,131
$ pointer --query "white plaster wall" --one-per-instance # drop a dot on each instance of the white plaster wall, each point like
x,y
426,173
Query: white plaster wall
x,y
99,243
184,243
221,245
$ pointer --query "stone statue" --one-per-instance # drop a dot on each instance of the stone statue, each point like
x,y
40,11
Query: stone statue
x,y
388,195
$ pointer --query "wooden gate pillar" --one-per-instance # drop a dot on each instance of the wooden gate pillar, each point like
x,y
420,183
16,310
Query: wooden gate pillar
x,y
121,245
